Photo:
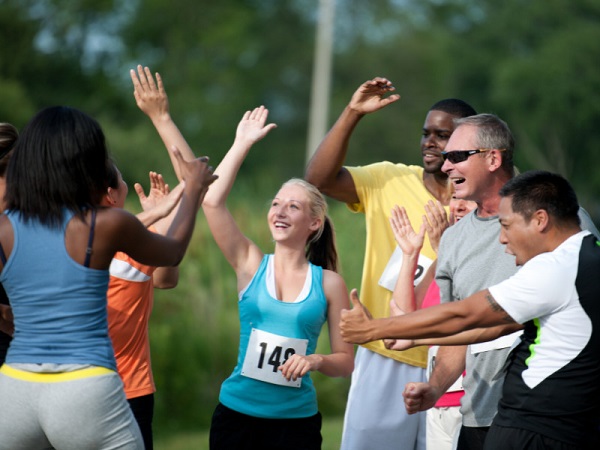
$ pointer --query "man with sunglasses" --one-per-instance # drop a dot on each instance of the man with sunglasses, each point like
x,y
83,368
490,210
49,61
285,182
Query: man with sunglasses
x,y
478,160
374,416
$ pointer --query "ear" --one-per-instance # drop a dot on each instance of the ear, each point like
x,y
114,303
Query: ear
x,y
108,198
541,220
495,160
315,224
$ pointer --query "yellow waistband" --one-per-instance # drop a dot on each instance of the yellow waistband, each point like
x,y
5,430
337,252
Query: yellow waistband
x,y
54,377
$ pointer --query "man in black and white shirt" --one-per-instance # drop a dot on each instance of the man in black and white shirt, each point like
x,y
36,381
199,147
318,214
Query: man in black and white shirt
x,y
552,386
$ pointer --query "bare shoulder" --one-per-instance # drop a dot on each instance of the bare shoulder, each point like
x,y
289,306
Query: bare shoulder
x,y
117,225
5,221
114,218
335,289
332,279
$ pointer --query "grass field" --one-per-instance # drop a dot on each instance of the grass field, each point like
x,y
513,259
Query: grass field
x,y
331,431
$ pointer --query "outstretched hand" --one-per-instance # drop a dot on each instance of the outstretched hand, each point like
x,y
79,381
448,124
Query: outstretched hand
x,y
159,195
407,239
436,222
197,174
150,96
369,97
356,323
252,127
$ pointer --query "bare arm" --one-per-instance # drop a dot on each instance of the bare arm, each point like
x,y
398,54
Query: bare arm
x,y
165,277
159,203
7,324
340,362
325,169
241,253
159,210
436,222
170,249
151,98
411,244
478,310
473,336
449,365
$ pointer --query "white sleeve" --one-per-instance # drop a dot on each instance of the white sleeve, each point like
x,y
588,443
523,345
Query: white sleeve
x,y
538,289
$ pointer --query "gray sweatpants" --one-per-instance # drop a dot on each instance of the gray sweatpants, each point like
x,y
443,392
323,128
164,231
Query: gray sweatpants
x,y
84,413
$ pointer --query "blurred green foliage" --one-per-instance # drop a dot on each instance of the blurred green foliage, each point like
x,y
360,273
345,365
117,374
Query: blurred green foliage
x,y
533,63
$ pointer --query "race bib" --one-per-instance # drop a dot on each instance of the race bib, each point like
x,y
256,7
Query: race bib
x,y
392,269
510,340
266,352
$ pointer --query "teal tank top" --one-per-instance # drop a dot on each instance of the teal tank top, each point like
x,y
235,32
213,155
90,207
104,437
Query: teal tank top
x,y
270,331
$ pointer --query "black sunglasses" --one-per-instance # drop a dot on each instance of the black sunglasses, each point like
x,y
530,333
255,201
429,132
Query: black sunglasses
x,y
458,156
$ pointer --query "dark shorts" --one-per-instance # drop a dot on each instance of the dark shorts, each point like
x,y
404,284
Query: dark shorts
x,y
472,438
233,430
143,411
507,438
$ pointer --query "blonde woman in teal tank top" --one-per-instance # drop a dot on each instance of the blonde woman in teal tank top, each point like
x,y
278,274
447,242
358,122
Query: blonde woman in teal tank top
x,y
269,402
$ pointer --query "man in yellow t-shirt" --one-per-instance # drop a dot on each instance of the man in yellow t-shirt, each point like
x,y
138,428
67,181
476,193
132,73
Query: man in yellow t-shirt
x,y
375,414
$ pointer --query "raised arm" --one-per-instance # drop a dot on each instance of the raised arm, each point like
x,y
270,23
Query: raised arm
x,y
239,251
436,221
411,244
325,169
160,203
151,98
117,230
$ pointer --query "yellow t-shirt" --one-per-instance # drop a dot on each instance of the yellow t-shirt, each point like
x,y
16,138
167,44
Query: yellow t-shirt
x,y
380,186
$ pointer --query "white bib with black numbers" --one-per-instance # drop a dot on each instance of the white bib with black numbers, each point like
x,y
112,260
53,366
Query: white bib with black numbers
x,y
266,352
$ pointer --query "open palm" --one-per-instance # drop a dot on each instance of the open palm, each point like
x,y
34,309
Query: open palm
x,y
252,127
407,239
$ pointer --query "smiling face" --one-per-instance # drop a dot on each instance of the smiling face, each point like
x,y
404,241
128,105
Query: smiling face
x,y
437,129
518,234
290,215
459,208
470,177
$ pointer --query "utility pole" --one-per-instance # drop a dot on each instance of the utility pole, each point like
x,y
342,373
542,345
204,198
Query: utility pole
x,y
321,80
